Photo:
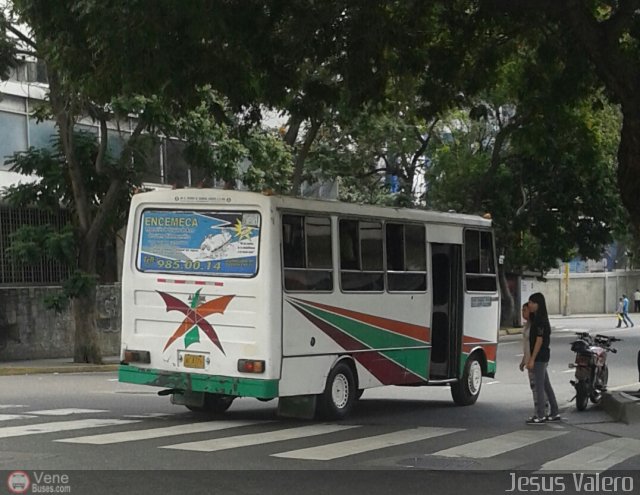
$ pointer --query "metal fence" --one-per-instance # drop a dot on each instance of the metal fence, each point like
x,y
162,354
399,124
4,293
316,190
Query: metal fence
x,y
41,271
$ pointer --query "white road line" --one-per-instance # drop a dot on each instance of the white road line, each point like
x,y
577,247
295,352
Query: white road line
x,y
359,445
130,436
66,412
7,417
490,447
259,438
148,415
10,406
56,426
597,457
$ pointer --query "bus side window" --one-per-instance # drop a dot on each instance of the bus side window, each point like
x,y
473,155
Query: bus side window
x,y
306,253
349,245
361,258
479,261
406,257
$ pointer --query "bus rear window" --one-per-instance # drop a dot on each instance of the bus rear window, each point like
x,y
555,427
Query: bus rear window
x,y
199,242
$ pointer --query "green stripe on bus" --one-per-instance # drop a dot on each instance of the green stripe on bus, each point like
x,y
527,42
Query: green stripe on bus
x,y
374,337
240,387
414,360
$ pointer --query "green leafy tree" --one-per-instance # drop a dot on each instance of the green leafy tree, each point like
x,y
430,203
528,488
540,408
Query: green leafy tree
x,y
552,194
93,185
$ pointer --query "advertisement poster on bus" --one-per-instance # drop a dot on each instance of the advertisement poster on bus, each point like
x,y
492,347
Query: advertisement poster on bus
x,y
194,242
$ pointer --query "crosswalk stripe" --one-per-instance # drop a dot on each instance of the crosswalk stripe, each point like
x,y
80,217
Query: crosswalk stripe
x,y
259,438
56,426
360,445
66,412
7,417
490,447
597,457
10,406
130,436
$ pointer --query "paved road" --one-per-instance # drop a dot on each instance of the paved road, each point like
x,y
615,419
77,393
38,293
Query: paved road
x,y
89,421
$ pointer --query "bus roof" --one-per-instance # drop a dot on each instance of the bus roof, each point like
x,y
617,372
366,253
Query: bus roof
x,y
197,196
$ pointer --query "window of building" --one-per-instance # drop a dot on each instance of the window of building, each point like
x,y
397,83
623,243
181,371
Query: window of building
x,y
479,261
306,253
361,256
13,137
406,257
42,134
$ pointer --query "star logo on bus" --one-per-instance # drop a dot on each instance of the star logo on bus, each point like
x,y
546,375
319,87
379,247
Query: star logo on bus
x,y
194,320
242,232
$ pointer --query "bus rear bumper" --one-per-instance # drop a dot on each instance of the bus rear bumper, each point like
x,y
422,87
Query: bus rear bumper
x,y
194,382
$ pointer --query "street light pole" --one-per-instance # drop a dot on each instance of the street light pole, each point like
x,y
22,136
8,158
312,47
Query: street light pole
x,y
565,309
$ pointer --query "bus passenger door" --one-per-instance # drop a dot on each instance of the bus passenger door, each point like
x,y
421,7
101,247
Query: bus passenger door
x,y
447,309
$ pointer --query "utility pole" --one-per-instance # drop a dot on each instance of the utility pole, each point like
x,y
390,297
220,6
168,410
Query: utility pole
x,y
565,308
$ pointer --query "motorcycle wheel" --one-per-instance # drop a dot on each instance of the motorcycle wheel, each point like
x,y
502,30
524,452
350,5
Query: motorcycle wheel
x,y
596,395
582,399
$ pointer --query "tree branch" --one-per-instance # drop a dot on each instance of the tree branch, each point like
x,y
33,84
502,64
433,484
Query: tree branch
x,y
21,36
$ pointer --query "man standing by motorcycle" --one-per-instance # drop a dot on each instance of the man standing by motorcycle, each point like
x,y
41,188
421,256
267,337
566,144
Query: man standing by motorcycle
x,y
539,340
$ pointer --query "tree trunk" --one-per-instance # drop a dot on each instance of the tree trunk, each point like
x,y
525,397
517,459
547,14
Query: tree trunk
x,y
302,155
83,306
507,314
86,346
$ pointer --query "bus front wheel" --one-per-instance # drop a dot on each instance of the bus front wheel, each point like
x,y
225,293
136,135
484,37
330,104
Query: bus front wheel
x,y
466,391
339,396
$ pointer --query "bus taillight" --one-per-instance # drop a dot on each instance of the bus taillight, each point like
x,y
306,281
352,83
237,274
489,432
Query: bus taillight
x,y
250,366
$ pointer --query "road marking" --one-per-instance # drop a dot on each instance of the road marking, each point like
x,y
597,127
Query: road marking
x,y
130,436
10,406
66,412
490,447
259,438
56,426
148,415
360,445
492,383
597,457
7,417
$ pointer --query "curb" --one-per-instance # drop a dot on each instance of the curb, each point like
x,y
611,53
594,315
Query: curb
x,y
622,406
95,368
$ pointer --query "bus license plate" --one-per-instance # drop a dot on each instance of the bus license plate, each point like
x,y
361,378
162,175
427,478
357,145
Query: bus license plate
x,y
194,361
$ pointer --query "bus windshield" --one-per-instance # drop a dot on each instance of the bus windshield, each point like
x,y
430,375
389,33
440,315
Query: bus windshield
x,y
221,243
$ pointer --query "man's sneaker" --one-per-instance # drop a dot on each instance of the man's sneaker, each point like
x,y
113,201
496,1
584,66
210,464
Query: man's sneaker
x,y
535,420
553,418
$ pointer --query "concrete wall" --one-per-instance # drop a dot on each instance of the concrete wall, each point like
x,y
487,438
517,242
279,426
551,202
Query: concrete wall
x,y
588,292
28,330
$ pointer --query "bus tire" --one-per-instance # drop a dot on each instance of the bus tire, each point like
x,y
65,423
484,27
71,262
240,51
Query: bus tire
x,y
339,396
213,404
465,392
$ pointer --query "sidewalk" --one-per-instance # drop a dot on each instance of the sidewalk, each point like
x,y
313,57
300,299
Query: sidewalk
x,y
57,365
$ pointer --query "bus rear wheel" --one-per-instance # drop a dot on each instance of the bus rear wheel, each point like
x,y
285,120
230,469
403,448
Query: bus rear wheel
x,y
466,391
213,404
339,396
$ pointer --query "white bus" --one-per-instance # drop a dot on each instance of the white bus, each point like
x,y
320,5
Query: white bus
x,y
230,294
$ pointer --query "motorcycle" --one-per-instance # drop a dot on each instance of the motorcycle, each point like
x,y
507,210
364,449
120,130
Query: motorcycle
x,y
591,368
